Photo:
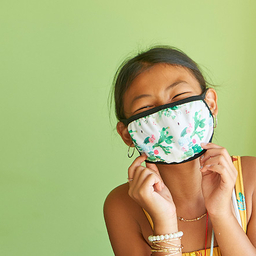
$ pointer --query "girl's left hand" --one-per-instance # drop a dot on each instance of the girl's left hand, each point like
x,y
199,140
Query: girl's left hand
x,y
218,179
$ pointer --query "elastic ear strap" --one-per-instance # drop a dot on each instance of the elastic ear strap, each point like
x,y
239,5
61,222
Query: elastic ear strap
x,y
124,121
204,93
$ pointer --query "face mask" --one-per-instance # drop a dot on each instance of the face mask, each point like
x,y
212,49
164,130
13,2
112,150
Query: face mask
x,y
172,133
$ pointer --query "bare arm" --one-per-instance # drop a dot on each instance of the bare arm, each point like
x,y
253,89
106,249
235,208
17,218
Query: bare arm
x,y
124,231
124,215
229,234
231,238
219,177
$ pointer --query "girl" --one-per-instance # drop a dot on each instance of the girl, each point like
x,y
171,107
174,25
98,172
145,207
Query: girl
x,y
184,195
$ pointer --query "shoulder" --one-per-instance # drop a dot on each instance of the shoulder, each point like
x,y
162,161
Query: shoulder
x,y
126,221
248,164
119,206
118,199
249,178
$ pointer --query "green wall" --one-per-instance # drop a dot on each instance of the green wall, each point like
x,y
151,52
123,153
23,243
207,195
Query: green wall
x,y
60,155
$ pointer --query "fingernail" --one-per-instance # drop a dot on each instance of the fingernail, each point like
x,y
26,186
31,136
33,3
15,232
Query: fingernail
x,y
203,144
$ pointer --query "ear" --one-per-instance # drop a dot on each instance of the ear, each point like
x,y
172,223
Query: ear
x,y
122,130
211,100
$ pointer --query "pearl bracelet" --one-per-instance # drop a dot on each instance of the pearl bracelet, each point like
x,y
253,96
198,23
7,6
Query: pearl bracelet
x,y
178,234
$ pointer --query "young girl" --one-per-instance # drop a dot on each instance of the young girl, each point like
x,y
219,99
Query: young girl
x,y
184,195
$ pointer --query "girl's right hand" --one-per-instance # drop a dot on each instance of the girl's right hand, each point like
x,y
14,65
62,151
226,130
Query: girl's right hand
x,y
147,188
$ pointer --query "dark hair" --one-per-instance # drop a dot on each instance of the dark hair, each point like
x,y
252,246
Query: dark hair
x,y
131,68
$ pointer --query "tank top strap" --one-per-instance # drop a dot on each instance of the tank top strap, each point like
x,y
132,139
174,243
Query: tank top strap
x,y
239,189
149,219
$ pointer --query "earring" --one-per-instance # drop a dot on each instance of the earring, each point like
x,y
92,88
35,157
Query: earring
x,y
131,155
215,121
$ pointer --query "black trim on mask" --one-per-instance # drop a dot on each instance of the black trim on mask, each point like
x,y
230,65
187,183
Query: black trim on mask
x,y
169,105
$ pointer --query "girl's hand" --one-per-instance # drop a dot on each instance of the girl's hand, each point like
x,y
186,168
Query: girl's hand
x,y
218,179
146,187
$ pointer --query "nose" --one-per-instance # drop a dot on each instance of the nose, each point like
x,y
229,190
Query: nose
x,y
162,99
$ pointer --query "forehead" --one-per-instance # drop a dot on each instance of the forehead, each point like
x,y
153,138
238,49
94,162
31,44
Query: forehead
x,y
164,70
158,76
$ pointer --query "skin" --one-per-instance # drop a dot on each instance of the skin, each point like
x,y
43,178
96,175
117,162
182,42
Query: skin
x,y
188,189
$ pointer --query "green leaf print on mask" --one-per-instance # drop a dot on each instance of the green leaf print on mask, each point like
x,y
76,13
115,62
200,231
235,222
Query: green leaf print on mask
x,y
193,150
152,157
197,124
188,134
196,148
150,149
168,112
144,119
163,138
188,153
184,132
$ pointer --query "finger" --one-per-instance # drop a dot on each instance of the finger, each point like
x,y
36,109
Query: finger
x,y
209,145
143,193
136,163
221,170
214,159
141,185
153,181
221,160
150,183
225,172
141,173
217,160
212,152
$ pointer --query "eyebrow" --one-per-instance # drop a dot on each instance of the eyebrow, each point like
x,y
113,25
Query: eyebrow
x,y
166,89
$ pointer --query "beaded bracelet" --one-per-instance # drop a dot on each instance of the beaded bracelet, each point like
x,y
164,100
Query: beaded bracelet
x,y
178,234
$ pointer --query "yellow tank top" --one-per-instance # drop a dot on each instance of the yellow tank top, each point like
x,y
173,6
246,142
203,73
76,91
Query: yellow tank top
x,y
239,190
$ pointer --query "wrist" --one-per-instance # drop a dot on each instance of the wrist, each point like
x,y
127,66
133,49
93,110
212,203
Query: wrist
x,y
222,217
170,243
221,212
165,225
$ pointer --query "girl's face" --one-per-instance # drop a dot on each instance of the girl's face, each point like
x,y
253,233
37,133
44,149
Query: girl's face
x,y
157,86
161,84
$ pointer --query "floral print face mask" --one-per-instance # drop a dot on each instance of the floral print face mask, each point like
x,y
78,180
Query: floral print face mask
x,y
172,133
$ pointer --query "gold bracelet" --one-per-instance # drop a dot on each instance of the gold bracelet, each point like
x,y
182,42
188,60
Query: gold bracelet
x,y
167,246
170,253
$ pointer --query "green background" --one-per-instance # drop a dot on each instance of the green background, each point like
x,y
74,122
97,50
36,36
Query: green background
x,y
60,154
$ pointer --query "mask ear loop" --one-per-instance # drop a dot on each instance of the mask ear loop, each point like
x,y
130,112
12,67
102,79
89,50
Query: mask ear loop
x,y
215,121
130,155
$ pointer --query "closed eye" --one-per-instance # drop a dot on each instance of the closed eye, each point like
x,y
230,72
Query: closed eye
x,y
179,94
151,106
144,108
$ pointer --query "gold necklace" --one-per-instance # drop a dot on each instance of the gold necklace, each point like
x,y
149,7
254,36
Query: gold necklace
x,y
191,220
